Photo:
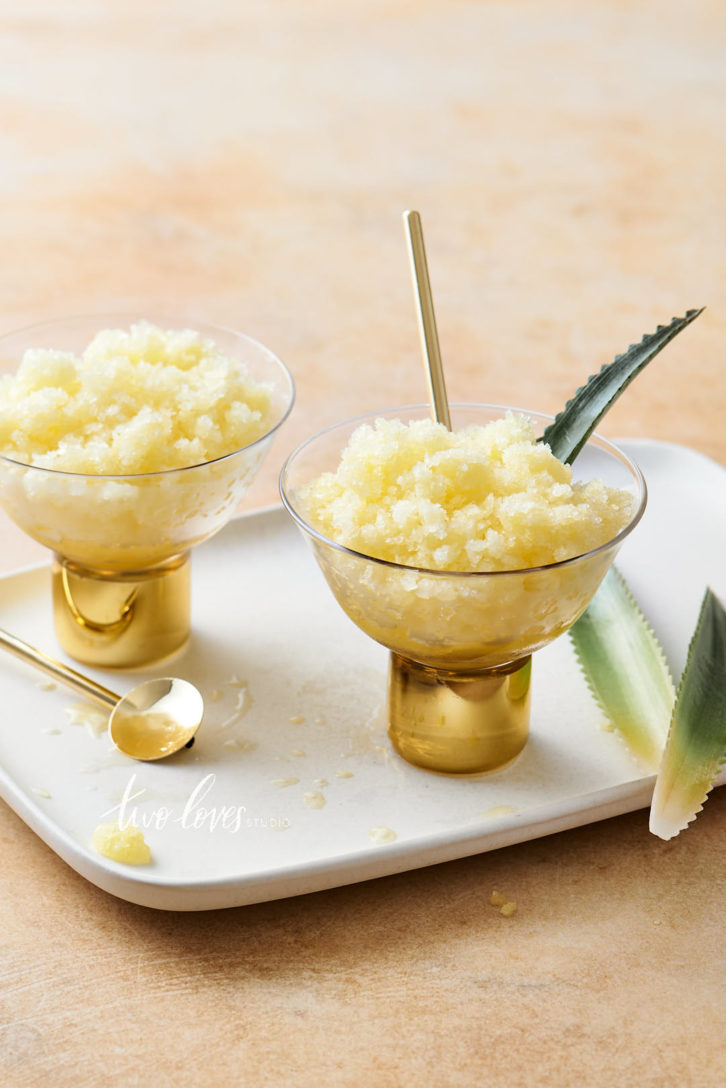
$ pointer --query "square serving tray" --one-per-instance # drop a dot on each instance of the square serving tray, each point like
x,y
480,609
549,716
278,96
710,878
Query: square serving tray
x,y
292,779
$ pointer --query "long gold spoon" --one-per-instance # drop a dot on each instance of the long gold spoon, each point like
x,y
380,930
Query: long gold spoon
x,y
426,317
152,721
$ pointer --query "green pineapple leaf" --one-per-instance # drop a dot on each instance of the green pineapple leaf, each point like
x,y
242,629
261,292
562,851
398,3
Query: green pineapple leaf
x,y
572,427
696,746
625,669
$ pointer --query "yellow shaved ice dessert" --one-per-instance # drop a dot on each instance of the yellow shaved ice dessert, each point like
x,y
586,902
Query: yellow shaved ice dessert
x,y
125,844
130,453
477,522
483,498
143,400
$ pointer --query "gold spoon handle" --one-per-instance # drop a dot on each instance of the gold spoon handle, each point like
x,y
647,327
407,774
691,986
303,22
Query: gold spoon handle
x,y
426,316
58,671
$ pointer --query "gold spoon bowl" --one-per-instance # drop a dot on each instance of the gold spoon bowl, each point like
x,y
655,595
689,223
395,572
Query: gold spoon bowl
x,y
155,719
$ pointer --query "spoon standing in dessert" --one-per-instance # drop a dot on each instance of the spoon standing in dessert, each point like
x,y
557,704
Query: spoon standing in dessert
x,y
426,318
152,721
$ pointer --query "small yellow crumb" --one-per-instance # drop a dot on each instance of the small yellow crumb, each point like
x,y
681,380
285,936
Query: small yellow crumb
x,y
296,719
314,799
497,811
321,783
52,732
497,899
240,744
47,685
281,783
344,774
298,752
507,909
320,720
381,835
125,844
40,792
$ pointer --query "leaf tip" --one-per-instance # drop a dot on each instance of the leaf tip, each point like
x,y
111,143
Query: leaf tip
x,y
667,822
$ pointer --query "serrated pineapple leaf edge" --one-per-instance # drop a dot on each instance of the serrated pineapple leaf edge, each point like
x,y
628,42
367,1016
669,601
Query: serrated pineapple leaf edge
x,y
695,750
625,669
572,427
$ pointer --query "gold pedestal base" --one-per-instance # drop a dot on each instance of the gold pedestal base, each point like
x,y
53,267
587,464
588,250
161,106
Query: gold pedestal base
x,y
121,620
458,722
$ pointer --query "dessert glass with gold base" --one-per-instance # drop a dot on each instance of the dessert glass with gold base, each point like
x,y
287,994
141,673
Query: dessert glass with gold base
x,y
461,642
121,543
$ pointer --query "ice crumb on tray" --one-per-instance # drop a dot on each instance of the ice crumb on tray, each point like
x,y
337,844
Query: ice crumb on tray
x,y
124,844
91,717
240,744
498,810
381,835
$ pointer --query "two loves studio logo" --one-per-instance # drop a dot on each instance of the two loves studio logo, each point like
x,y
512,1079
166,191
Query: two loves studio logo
x,y
196,813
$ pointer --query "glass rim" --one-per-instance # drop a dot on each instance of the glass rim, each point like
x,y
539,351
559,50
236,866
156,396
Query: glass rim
x,y
133,315
610,447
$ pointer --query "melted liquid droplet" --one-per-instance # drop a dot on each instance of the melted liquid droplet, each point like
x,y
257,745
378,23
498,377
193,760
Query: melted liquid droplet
x,y
148,735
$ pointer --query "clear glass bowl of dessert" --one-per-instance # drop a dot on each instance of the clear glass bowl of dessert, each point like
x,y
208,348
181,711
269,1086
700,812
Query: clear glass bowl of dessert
x,y
460,640
121,539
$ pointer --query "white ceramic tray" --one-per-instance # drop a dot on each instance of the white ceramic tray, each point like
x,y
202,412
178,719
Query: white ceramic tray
x,y
295,693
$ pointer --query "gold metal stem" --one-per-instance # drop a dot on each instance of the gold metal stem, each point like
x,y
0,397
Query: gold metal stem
x,y
426,317
126,610
121,619
458,722
82,684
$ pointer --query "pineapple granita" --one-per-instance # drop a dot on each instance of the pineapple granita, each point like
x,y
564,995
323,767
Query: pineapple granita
x,y
131,452
143,400
484,498
453,547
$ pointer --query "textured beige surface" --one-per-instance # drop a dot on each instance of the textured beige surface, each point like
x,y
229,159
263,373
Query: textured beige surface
x,y
246,161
